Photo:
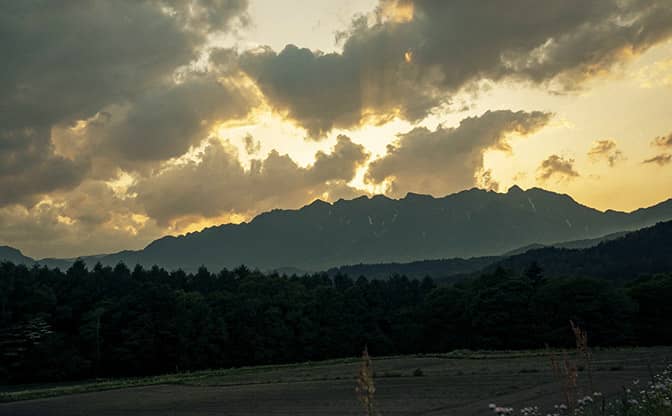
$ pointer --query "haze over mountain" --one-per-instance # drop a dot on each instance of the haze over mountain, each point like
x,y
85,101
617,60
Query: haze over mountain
x,y
455,269
643,252
574,244
318,236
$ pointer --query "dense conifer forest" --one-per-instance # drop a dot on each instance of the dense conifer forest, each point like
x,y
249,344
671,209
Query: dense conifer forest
x,y
112,321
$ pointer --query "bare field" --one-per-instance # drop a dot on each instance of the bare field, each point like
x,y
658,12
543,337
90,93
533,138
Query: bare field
x,y
460,383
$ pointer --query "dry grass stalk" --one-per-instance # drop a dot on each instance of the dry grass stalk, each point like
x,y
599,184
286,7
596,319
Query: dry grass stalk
x,y
566,372
366,388
581,337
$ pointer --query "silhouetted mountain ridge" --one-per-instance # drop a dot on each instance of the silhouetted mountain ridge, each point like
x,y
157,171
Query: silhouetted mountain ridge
x,y
322,235
471,223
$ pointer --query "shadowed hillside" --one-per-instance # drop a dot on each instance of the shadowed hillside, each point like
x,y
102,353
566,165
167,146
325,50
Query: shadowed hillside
x,y
14,255
436,269
646,251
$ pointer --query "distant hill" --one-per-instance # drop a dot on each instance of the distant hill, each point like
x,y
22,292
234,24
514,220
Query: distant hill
x,y
642,252
586,243
448,269
456,268
319,236
65,263
13,255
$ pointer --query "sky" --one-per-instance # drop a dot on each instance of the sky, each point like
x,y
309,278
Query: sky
x,y
124,121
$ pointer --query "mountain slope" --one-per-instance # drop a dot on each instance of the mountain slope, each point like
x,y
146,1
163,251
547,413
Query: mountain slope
x,y
13,255
445,269
454,268
318,236
585,243
643,252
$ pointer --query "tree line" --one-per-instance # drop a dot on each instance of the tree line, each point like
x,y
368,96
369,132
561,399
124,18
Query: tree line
x,y
112,321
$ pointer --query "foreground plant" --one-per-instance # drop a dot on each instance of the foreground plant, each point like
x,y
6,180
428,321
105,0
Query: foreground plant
x,y
655,399
366,387
581,338
566,372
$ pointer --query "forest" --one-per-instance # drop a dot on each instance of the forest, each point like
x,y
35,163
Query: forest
x,y
112,321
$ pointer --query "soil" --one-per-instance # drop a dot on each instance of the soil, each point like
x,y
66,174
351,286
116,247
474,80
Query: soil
x,y
450,384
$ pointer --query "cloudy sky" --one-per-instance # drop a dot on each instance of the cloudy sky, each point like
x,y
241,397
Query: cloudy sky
x,y
121,121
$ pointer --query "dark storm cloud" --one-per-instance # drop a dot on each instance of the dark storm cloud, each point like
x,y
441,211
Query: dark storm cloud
x,y
28,166
90,219
409,67
605,150
66,61
218,184
164,123
450,159
322,92
556,167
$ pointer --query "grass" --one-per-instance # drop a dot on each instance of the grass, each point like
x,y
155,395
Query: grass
x,y
33,391
447,380
30,392
652,399
204,377
40,391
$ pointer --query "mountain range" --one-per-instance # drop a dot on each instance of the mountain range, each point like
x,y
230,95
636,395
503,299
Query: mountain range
x,y
321,235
